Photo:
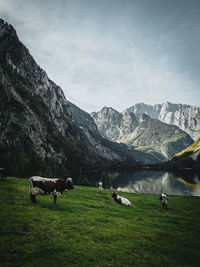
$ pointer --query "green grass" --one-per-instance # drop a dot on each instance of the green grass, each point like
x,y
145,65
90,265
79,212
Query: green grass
x,y
86,228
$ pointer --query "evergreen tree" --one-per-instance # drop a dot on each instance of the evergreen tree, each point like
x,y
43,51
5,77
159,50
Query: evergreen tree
x,y
106,180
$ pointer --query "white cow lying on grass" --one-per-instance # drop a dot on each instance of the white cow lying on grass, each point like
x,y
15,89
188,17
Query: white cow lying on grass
x,y
121,200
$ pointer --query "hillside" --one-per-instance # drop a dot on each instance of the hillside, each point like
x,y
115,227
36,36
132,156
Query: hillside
x,y
194,149
187,159
86,228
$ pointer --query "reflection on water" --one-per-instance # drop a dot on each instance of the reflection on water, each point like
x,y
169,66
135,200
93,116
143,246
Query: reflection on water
x,y
154,183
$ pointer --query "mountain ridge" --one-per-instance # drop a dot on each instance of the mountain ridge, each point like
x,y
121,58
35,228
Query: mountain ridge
x,y
186,117
141,132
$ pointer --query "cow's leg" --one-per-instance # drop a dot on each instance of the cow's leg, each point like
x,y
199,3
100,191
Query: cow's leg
x,y
33,195
54,197
33,198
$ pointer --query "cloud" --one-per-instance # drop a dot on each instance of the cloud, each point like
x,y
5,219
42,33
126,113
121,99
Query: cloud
x,y
109,53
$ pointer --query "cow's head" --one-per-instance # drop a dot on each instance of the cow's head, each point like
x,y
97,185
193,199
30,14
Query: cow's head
x,y
114,195
69,183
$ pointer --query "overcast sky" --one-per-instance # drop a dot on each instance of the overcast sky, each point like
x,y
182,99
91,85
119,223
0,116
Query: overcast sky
x,y
114,52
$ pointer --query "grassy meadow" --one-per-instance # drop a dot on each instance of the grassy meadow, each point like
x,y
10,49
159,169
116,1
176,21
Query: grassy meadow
x,y
86,228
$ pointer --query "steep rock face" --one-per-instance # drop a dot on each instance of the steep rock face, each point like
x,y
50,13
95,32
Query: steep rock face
x,y
185,117
27,95
141,132
36,118
114,125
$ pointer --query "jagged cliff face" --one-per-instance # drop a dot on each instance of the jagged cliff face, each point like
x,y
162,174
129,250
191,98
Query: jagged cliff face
x,y
36,117
27,95
185,117
142,132
114,125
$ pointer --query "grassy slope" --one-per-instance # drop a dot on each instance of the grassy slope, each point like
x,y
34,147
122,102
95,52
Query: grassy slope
x,y
85,228
192,148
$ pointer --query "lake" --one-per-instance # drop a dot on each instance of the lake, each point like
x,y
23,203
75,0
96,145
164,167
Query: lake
x,y
155,182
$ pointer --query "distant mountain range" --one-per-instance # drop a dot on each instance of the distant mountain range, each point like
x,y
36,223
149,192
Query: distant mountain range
x,y
140,128
186,117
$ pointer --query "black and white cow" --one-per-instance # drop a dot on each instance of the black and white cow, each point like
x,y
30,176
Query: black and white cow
x,y
121,200
45,186
163,200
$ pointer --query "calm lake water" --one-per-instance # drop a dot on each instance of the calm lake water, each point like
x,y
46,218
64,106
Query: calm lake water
x,y
155,182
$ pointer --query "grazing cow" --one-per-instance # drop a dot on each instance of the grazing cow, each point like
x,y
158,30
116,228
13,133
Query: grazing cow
x,y
44,186
163,200
3,174
121,200
100,185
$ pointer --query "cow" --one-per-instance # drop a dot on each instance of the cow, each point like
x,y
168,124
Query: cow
x,y
44,186
163,200
3,174
121,200
100,187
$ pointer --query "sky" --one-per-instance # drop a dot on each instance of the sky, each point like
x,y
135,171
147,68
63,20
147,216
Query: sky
x,y
113,53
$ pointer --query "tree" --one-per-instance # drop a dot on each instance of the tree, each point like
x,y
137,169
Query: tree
x,y
84,181
106,180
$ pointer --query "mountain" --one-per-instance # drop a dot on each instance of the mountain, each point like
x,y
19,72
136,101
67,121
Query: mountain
x,y
114,125
141,132
129,154
192,151
40,131
186,117
101,146
185,164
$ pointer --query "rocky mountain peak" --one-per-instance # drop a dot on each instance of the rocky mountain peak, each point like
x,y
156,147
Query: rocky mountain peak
x,y
6,29
142,108
186,117
107,114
